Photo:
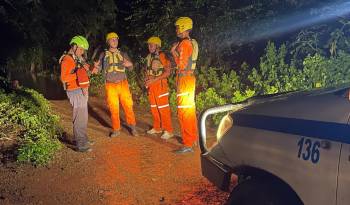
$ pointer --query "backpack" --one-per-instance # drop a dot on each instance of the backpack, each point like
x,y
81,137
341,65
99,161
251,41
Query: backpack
x,y
194,53
193,58
80,70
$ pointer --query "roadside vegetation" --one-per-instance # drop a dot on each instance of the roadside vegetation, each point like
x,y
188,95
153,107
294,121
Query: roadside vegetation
x,y
27,121
216,86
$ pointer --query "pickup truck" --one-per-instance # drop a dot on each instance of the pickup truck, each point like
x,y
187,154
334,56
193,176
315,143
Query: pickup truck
x,y
291,148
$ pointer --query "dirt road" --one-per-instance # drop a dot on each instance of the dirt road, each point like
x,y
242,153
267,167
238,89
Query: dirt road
x,y
123,170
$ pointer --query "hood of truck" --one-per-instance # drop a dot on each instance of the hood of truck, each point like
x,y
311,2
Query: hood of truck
x,y
327,105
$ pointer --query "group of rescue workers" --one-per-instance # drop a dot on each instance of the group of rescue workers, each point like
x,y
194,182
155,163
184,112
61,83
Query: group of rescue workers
x,y
113,63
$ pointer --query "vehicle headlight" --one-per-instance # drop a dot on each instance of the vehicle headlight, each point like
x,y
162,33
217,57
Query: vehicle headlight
x,y
225,124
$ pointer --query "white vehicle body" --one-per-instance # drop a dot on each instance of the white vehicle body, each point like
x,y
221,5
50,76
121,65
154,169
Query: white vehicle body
x,y
303,139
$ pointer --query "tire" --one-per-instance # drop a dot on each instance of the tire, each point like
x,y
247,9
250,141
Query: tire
x,y
263,192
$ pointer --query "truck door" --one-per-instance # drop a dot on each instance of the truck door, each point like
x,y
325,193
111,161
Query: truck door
x,y
343,190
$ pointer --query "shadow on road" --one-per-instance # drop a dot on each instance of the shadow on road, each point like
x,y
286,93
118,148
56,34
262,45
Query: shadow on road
x,y
98,117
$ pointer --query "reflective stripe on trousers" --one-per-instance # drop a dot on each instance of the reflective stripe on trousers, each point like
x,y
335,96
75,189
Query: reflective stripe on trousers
x,y
159,107
163,95
185,106
182,94
163,106
186,109
158,97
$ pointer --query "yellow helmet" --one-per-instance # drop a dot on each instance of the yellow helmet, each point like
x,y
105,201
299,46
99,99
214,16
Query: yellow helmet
x,y
111,35
155,40
184,24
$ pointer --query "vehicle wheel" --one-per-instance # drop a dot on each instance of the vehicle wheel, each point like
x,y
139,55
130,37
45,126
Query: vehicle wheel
x,y
263,192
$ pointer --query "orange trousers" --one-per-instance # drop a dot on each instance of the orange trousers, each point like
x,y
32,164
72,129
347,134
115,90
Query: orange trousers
x,y
186,109
119,92
158,93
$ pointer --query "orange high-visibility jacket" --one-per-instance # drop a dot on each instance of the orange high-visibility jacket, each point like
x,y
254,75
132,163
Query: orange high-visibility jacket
x,y
72,76
158,91
186,82
68,75
184,49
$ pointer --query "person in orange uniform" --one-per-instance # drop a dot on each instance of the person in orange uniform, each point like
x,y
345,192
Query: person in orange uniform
x,y
157,71
72,65
185,53
114,63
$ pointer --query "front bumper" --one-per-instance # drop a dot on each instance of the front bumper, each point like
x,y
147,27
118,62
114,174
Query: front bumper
x,y
216,172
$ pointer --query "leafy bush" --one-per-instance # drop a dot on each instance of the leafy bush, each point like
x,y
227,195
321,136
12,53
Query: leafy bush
x,y
31,110
274,75
207,99
315,71
137,88
339,69
97,82
172,100
238,96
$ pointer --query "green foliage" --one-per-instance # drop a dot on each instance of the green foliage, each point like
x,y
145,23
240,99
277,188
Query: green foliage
x,y
339,69
97,82
228,83
135,83
238,96
224,84
32,112
172,100
39,152
274,75
137,88
207,77
267,79
324,72
207,99
315,71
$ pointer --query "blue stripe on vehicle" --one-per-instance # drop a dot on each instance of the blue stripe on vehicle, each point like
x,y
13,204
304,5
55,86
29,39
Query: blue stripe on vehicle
x,y
310,128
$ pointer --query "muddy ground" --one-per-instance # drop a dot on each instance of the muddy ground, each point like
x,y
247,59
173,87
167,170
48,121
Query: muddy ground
x,y
123,170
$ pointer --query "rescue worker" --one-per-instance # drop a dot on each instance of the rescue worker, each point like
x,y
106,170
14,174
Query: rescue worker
x,y
113,62
73,69
185,53
157,71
